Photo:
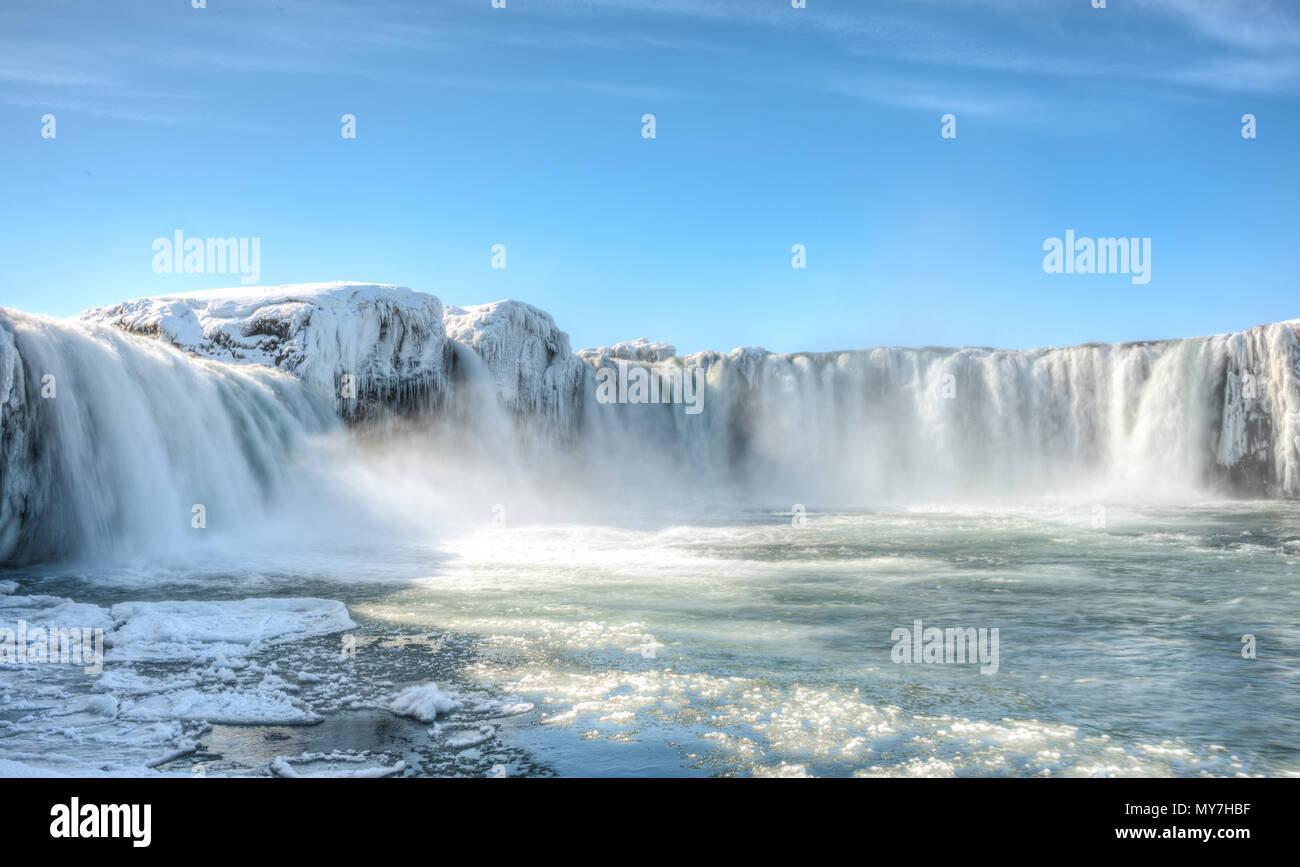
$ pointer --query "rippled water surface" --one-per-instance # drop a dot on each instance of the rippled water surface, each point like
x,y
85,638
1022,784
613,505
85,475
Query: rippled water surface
x,y
737,645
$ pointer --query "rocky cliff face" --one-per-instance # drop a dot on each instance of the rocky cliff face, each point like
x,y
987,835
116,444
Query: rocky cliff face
x,y
18,498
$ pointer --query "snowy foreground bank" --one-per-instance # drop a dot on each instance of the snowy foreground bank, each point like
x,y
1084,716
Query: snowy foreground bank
x,y
154,679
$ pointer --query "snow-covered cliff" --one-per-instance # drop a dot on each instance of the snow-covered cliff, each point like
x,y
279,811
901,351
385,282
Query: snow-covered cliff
x,y
528,356
389,339
399,345
640,350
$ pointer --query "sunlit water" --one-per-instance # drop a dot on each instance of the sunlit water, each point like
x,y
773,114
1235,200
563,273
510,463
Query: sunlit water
x,y
739,645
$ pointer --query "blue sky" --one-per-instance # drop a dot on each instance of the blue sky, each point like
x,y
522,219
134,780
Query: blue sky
x,y
775,126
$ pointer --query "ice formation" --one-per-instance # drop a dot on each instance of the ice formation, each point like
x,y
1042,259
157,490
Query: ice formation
x,y
162,631
389,338
527,355
629,350
171,669
19,496
423,702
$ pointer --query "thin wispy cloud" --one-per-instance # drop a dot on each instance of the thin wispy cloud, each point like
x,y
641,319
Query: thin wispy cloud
x,y
985,56
936,99
1259,26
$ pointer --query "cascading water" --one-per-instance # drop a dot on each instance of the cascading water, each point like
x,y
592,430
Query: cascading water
x,y
853,429
109,441
140,432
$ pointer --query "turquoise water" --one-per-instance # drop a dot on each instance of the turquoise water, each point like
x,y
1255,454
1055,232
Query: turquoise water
x,y
1120,645
747,645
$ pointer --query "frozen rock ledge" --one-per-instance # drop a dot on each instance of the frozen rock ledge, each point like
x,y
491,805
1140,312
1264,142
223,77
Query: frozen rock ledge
x,y
526,354
389,339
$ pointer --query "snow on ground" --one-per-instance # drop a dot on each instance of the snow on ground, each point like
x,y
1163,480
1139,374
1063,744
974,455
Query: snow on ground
x,y
252,686
170,670
161,631
52,611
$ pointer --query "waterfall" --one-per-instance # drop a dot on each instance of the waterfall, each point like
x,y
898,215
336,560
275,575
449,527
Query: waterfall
x,y
1203,416
109,440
